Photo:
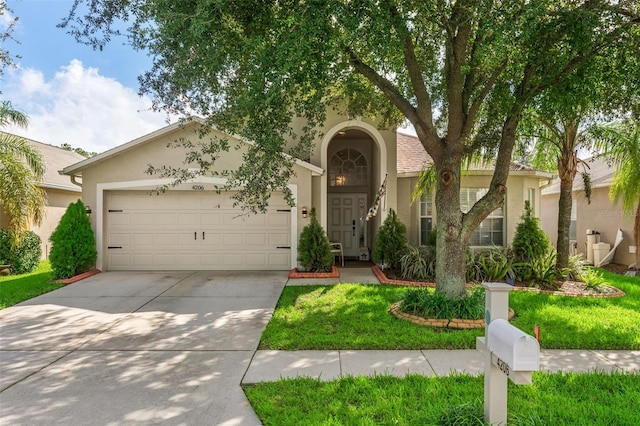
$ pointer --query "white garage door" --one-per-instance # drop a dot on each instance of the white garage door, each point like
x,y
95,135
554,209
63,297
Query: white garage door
x,y
194,230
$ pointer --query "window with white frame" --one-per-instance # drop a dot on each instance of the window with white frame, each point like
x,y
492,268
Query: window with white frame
x,y
426,218
491,230
489,233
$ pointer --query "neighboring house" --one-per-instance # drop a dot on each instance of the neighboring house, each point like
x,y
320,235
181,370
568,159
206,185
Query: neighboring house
x,y
59,190
193,227
601,215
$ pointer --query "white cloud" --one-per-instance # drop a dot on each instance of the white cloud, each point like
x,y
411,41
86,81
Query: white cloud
x,y
80,107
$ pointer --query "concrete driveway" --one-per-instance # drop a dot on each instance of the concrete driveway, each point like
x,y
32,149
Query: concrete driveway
x,y
136,348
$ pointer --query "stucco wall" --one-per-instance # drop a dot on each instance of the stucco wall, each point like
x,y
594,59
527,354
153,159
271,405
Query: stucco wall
x,y
601,215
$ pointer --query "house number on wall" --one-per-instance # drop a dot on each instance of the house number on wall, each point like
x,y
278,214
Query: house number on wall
x,y
197,188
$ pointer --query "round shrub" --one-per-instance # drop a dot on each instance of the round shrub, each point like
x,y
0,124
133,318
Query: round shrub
x,y
24,256
73,245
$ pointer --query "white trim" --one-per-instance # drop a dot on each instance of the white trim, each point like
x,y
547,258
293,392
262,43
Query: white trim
x,y
324,161
154,183
60,187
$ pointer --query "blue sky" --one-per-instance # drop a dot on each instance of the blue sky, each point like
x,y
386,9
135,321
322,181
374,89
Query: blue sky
x,y
70,92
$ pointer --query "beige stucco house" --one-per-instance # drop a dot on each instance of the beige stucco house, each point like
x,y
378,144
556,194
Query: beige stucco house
x,y
194,227
59,190
601,215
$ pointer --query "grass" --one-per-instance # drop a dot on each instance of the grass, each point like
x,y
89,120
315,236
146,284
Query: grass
x,y
18,288
566,399
354,316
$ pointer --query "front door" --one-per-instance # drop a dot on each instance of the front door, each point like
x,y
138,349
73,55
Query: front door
x,y
347,225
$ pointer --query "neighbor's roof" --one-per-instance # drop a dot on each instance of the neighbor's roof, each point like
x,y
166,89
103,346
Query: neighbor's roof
x,y
76,169
55,159
600,172
411,158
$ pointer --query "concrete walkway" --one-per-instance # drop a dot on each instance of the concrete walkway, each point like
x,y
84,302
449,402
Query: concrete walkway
x,y
330,365
173,348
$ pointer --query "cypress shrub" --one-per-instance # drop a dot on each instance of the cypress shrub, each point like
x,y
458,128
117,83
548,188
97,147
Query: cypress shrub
x,y
73,248
24,256
391,241
314,251
530,243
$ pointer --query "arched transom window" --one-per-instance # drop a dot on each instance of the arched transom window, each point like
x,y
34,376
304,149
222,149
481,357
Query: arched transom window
x,y
348,167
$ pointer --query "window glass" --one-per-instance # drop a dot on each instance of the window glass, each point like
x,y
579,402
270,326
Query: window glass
x,y
489,233
348,167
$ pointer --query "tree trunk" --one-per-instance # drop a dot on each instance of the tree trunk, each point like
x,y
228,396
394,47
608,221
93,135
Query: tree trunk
x,y
567,169
564,219
451,253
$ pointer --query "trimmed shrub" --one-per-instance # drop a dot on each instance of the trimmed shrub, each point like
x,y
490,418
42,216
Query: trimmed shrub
x,y
529,242
314,251
23,257
73,245
390,242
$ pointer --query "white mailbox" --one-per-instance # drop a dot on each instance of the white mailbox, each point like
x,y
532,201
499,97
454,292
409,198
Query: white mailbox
x,y
515,350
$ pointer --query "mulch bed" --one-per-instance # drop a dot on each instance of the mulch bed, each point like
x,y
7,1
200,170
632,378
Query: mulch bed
x,y
565,288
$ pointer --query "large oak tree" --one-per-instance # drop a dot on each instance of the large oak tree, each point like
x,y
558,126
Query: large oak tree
x,y
461,72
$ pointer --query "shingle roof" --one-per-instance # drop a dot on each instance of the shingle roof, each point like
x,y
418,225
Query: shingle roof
x,y
412,157
599,170
56,159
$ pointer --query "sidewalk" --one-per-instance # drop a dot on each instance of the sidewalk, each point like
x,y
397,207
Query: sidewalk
x,y
330,365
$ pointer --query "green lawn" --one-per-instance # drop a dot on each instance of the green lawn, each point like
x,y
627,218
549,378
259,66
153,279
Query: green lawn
x,y
553,399
354,316
17,288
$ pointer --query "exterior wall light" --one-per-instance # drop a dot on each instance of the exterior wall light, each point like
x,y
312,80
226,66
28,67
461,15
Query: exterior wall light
x,y
305,212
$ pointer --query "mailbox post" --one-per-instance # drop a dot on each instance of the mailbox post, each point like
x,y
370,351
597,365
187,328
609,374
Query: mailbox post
x,y
509,353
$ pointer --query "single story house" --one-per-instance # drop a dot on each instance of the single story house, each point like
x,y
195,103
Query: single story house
x,y
59,190
193,227
599,217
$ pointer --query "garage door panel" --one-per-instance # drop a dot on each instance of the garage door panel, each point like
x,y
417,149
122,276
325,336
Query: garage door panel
x,y
276,240
140,219
118,239
280,219
235,239
253,240
119,261
208,219
276,259
119,219
166,240
142,240
189,219
192,230
164,219
256,259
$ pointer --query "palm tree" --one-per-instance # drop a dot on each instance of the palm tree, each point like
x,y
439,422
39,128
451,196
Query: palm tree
x,y
21,169
553,145
620,144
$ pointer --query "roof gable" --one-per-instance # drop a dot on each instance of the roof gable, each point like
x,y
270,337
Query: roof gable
x,y
76,169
